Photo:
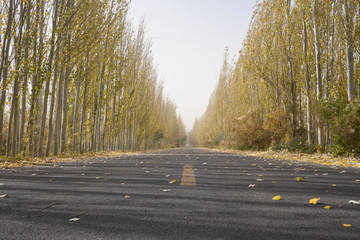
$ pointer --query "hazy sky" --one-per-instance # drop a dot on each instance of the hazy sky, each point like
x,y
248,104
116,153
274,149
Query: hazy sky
x,y
189,38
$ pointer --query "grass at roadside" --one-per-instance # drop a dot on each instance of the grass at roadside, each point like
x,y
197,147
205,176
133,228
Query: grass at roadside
x,y
316,158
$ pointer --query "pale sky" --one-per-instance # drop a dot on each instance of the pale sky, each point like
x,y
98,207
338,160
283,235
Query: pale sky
x,y
189,38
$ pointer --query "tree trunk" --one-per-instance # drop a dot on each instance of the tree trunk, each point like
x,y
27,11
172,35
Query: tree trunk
x,y
48,77
349,51
59,110
83,112
4,66
52,103
318,67
65,109
307,81
76,110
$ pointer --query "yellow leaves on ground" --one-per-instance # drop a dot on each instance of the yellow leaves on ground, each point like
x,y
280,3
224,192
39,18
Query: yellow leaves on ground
x,y
299,179
28,162
333,185
276,198
327,207
317,158
314,200
347,225
173,181
127,197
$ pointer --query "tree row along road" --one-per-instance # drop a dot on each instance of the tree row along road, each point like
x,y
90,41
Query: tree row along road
x,y
131,197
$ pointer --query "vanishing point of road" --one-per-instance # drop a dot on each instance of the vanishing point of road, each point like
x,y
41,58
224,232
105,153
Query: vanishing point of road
x,y
131,197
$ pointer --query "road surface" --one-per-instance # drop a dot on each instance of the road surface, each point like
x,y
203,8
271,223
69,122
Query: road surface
x,y
130,197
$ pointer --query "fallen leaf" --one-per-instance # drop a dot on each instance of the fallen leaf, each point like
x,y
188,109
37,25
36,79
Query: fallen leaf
x,y
253,164
334,185
325,174
261,175
299,179
314,200
357,180
354,202
343,171
166,190
127,197
98,178
274,182
4,196
173,181
204,163
123,183
75,219
167,175
277,198
34,174
327,207
347,225
260,179
251,185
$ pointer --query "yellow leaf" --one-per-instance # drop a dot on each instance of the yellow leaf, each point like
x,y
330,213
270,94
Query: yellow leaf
x,y
299,179
277,198
314,200
173,181
347,225
334,185
127,197
327,207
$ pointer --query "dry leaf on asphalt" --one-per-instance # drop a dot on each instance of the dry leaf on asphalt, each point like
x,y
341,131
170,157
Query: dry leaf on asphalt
x,y
251,185
4,196
354,202
276,198
75,219
314,200
327,207
299,179
173,181
347,225
127,197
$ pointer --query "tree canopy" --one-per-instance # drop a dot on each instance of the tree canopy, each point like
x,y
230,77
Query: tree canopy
x,y
76,76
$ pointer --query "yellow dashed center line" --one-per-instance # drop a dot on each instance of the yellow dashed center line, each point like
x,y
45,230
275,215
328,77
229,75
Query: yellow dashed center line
x,y
188,177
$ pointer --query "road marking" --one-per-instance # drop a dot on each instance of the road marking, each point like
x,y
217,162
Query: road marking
x,y
188,177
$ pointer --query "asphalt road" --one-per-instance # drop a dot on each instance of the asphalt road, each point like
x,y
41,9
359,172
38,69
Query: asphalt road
x,y
130,197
